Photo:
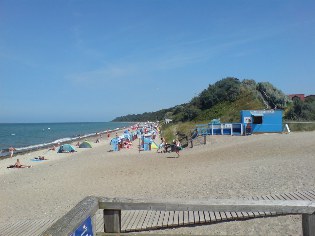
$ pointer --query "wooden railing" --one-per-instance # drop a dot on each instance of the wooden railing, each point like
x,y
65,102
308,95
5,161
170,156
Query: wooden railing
x,y
112,208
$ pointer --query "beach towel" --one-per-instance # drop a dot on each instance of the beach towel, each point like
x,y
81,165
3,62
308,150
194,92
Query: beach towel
x,y
36,159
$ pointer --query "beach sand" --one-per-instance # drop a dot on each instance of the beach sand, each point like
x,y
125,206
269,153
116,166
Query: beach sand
x,y
226,167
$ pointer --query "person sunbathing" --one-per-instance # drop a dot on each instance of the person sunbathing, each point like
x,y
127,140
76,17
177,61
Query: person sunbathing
x,y
40,158
18,165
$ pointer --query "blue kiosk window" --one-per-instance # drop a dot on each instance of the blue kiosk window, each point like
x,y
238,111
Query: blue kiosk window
x,y
257,119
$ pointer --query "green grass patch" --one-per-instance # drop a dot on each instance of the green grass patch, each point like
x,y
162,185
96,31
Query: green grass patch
x,y
230,111
296,127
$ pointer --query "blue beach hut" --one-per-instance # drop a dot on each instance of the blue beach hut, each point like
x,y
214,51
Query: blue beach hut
x,y
127,135
146,142
115,144
262,121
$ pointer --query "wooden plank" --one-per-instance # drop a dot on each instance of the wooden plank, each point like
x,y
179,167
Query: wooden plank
x,y
39,227
142,217
280,197
293,196
261,213
181,218
134,226
308,224
300,196
129,226
256,213
268,197
212,205
265,198
17,226
201,217
239,215
25,225
191,218
250,214
176,217
112,221
3,226
196,217
155,219
286,197
245,214
307,196
147,220
161,217
217,216
273,197
8,227
147,224
99,223
165,220
135,221
128,219
171,219
212,216
228,215
125,219
234,215
311,193
186,217
223,216
207,217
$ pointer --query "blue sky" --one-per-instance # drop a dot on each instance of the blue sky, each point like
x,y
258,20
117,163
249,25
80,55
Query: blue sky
x,y
79,60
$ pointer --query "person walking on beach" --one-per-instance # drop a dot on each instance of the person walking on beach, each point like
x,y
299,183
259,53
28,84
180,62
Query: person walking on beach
x,y
178,147
162,145
11,150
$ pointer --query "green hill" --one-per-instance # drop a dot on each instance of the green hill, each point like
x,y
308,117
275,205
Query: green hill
x,y
223,99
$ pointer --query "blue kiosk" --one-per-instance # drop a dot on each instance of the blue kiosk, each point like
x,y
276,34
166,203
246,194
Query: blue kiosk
x,y
252,121
262,121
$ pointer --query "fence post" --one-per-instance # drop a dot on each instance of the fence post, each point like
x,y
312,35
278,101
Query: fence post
x,y
308,224
204,139
112,221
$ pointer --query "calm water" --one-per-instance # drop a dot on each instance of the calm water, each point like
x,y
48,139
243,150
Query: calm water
x,y
35,135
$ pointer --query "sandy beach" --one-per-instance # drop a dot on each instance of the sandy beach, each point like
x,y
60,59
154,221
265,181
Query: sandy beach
x,y
226,167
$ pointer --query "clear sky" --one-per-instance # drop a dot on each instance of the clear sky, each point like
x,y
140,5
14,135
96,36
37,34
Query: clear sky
x,y
79,60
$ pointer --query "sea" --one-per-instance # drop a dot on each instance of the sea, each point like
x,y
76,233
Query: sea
x,y
31,136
